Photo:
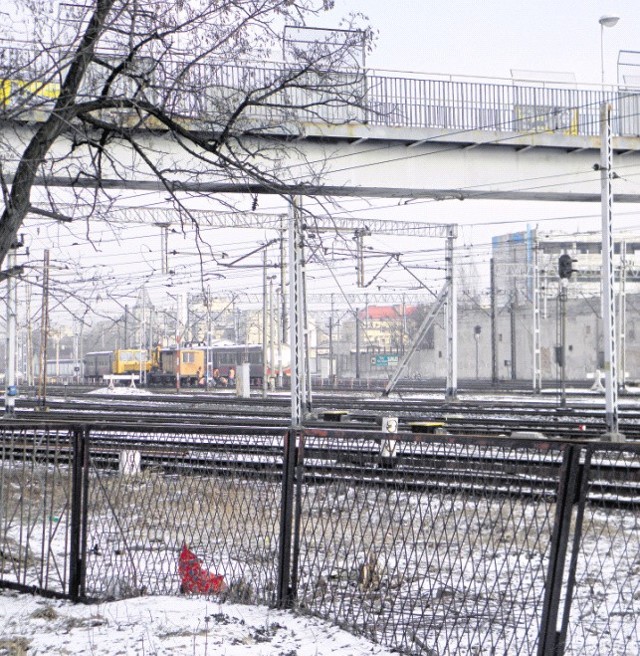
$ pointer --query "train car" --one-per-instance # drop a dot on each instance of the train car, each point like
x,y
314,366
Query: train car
x,y
213,366
188,360
223,362
96,365
130,361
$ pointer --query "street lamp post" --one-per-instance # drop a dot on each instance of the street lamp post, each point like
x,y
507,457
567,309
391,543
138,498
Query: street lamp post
x,y
605,21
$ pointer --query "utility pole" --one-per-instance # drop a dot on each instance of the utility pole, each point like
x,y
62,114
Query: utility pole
x,y
125,340
284,327
280,338
179,331
209,358
622,309
141,355
44,331
357,343
359,235
29,367
563,340
11,387
535,305
164,247
272,358
332,380
608,301
403,325
307,342
79,357
265,366
512,333
366,320
300,394
494,318
451,312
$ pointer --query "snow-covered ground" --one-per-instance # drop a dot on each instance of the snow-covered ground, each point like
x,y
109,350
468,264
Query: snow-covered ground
x,y
156,626
121,391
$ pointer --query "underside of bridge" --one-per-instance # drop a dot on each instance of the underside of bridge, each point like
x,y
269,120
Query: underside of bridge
x,y
358,161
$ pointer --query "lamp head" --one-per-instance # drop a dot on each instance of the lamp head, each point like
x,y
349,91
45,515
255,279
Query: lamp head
x,y
608,21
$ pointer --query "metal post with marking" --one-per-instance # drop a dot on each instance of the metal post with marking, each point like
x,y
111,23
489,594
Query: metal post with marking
x,y
608,301
452,320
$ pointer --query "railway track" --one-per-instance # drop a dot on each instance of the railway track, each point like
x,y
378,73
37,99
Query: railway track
x,y
583,419
238,451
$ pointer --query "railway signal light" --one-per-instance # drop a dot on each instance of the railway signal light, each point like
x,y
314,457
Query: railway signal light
x,y
565,266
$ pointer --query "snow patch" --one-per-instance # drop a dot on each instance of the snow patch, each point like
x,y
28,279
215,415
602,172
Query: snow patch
x,y
166,626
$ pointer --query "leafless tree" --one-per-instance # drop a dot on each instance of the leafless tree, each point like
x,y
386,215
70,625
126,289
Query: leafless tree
x,y
171,94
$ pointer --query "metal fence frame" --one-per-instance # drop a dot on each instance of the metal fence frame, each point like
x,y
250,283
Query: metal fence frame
x,y
330,487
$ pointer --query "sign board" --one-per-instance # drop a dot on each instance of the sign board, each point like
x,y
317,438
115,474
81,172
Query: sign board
x,y
384,360
546,118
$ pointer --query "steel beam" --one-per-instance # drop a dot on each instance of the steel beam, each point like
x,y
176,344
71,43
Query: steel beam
x,y
164,217
327,190
422,331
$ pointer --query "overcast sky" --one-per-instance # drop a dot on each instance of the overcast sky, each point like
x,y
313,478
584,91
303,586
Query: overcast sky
x,y
494,37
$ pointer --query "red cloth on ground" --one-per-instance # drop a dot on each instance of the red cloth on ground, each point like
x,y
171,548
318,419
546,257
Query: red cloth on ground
x,y
196,579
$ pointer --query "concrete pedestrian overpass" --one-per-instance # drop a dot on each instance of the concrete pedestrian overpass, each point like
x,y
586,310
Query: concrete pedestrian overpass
x,y
410,137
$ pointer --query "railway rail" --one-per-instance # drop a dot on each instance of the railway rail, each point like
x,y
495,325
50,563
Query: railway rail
x,y
233,451
372,386
584,418
169,432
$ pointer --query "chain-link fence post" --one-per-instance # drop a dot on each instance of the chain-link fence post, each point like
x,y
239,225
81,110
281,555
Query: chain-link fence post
x,y
297,513
285,592
580,500
569,486
79,510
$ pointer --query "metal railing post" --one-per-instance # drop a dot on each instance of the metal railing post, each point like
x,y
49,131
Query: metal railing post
x,y
551,641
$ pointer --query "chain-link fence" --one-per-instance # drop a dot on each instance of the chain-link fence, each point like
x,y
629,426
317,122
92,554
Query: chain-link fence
x,y
433,547
442,545
36,500
107,512
429,544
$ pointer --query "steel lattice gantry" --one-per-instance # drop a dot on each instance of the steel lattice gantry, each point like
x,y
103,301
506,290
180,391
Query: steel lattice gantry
x,y
298,224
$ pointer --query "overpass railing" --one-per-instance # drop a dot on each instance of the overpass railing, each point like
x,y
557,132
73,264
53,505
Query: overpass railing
x,y
281,96
500,107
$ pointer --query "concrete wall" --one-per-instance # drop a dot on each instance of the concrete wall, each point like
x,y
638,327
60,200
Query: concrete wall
x,y
584,347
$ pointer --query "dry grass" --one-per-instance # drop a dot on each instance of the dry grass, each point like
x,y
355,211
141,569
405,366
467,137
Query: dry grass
x,y
15,646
